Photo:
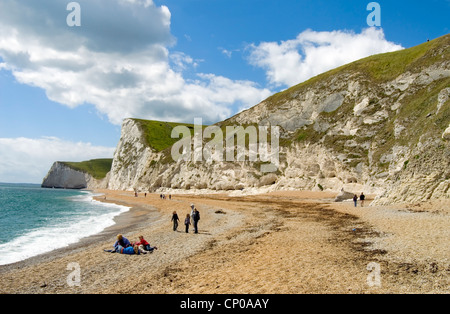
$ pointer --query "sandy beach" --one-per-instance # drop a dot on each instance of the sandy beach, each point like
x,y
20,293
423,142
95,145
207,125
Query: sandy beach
x,y
291,242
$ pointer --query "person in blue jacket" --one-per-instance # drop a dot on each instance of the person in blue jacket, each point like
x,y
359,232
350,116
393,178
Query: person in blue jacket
x,y
131,250
121,243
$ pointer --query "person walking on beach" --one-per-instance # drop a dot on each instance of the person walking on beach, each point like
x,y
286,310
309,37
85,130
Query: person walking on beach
x,y
192,213
175,220
355,200
187,222
196,218
362,198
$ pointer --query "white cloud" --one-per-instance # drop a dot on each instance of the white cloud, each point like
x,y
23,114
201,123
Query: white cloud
x,y
26,160
118,60
311,53
181,61
228,53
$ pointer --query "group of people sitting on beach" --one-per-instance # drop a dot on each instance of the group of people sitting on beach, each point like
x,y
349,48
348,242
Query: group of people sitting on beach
x,y
124,246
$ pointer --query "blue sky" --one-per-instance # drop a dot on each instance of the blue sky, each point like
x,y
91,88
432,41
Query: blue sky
x,y
65,90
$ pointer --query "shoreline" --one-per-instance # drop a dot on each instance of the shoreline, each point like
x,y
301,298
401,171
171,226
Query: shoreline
x,y
276,243
124,222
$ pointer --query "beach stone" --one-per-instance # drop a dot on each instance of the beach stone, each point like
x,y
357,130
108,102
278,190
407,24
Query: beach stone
x,y
268,179
344,196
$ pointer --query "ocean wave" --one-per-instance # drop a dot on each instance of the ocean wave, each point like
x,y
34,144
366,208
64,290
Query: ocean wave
x,y
94,217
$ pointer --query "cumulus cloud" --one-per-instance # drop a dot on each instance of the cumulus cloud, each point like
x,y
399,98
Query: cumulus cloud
x,y
118,61
26,160
311,53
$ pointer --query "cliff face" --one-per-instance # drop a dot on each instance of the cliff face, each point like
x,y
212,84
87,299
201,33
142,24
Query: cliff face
x,y
132,157
382,126
62,176
379,125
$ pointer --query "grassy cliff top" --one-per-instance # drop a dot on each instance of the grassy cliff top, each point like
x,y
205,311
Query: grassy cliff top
x,y
157,134
380,68
97,168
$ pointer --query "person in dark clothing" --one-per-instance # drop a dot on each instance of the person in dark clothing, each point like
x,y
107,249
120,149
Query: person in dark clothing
x,y
362,197
187,222
196,218
175,220
355,200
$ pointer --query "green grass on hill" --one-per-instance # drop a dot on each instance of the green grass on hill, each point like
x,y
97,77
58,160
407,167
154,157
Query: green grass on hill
x,y
157,134
378,68
417,112
97,168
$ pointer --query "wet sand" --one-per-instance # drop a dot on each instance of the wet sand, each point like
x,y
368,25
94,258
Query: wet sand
x,y
275,243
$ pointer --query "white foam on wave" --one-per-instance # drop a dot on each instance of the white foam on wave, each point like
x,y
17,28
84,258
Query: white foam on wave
x,y
47,239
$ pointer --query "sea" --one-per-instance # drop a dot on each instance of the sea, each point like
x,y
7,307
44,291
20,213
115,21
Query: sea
x,y
35,220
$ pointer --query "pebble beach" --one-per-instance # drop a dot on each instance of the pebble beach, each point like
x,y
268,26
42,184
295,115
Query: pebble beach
x,y
291,242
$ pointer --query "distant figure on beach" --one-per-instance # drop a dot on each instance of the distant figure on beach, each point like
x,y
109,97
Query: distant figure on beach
x,y
144,245
187,222
362,198
196,218
170,196
355,200
192,213
175,220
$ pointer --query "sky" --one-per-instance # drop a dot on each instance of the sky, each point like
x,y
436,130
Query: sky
x,y
70,75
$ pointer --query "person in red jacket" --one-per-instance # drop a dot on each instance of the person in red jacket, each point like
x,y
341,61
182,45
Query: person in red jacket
x,y
145,244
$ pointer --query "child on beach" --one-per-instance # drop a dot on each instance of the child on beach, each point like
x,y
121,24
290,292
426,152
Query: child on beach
x,y
187,222
145,245
175,220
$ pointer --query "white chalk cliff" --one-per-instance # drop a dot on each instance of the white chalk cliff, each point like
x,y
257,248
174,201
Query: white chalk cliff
x,y
62,176
380,125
